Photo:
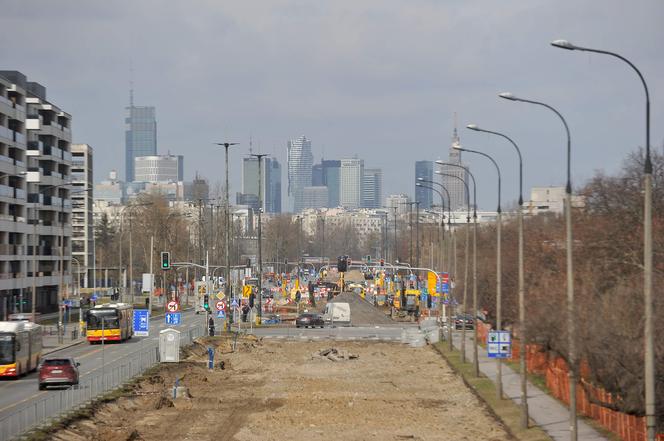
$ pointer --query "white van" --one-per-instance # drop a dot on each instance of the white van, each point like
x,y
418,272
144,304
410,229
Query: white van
x,y
337,314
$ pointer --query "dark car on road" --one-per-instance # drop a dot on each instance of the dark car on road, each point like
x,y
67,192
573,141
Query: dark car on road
x,y
461,318
60,371
309,319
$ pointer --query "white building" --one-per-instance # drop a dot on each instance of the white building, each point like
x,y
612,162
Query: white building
x,y
549,200
352,171
398,201
82,213
158,168
300,163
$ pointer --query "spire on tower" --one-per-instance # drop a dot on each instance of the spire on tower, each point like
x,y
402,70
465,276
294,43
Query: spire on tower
x,y
131,83
455,135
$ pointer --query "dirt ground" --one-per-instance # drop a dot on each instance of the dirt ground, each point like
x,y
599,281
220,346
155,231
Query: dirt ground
x,y
278,390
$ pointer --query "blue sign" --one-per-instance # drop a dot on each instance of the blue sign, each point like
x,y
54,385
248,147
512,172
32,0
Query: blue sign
x,y
221,314
499,344
423,298
446,288
93,297
234,303
173,318
141,322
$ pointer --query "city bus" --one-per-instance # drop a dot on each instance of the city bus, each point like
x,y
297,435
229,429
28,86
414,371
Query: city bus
x,y
115,320
20,348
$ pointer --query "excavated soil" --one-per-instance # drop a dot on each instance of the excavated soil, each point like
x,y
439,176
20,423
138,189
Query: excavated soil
x,y
280,390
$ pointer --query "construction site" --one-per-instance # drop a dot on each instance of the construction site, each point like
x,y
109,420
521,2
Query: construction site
x,y
270,389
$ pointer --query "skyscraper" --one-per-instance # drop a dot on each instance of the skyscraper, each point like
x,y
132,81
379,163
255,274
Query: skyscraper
x,y
332,180
454,186
140,136
424,170
271,182
372,188
350,194
300,162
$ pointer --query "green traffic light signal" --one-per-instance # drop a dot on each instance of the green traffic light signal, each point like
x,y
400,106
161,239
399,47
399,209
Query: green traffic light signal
x,y
165,260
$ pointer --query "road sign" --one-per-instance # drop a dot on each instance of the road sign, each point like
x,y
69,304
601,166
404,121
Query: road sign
x,y
446,288
221,305
234,303
173,306
221,314
499,344
220,295
246,291
173,318
141,322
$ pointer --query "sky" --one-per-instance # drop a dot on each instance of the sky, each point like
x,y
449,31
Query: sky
x,y
380,79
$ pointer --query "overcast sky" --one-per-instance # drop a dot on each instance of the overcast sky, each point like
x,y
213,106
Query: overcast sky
x,y
377,78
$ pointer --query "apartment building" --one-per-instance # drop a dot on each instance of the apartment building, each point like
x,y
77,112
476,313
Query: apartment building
x,y
35,204
82,215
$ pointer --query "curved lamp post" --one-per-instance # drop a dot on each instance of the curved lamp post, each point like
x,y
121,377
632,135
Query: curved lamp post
x,y
571,306
449,214
521,284
476,364
650,398
499,222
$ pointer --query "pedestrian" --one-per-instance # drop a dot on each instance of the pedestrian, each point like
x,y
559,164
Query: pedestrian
x,y
211,326
245,312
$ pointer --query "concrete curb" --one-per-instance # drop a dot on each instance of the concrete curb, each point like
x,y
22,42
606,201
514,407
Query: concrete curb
x,y
64,346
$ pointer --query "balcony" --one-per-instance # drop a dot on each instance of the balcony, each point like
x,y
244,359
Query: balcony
x,y
66,156
6,191
6,134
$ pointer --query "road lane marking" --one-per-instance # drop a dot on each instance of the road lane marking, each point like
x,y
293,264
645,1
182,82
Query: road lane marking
x,y
22,401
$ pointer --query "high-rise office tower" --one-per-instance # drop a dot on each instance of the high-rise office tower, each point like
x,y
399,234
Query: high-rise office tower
x,y
158,168
271,182
351,173
300,163
424,170
140,136
454,186
332,180
372,188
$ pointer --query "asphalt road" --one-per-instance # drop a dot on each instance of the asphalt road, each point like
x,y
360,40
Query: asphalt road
x,y
15,394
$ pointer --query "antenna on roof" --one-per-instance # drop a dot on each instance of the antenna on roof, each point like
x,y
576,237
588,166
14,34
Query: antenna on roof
x,y
131,83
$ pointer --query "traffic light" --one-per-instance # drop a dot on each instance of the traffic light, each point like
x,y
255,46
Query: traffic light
x,y
368,258
206,302
165,260
342,265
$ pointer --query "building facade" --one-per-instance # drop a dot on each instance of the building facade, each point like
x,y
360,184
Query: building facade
x,y
351,173
35,198
455,176
372,188
315,197
300,163
158,168
82,238
272,195
424,170
140,136
397,202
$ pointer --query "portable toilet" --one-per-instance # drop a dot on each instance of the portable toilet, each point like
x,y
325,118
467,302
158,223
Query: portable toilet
x,y
169,346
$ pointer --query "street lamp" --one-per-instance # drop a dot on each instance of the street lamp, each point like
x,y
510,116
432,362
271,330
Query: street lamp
x,y
499,365
476,363
465,276
259,157
571,307
521,282
226,145
650,397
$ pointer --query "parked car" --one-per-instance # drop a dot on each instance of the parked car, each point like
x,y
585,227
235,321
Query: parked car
x,y
57,372
461,318
309,319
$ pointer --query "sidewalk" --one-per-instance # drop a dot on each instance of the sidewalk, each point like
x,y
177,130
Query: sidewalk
x,y
544,410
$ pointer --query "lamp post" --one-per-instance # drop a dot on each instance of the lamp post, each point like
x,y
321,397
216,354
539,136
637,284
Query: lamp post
x,y
521,283
467,253
259,157
499,365
226,145
649,362
476,363
571,306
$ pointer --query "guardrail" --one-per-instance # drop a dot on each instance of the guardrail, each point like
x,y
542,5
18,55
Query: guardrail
x,y
57,404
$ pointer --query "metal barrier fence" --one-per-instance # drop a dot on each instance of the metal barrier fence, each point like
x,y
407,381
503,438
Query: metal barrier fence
x,y
103,379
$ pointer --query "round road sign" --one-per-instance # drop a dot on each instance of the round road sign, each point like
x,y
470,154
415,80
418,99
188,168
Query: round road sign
x,y
173,306
221,305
